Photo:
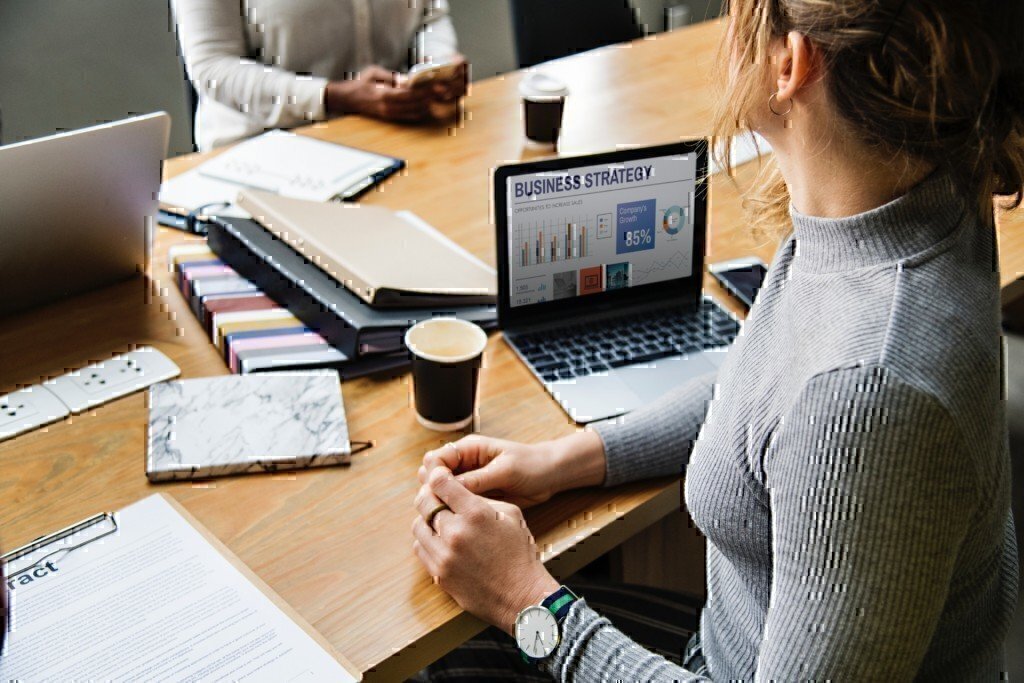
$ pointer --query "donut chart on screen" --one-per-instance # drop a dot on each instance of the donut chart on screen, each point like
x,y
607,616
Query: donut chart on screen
x,y
673,220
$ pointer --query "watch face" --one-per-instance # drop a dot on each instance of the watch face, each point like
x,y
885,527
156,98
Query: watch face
x,y
537,632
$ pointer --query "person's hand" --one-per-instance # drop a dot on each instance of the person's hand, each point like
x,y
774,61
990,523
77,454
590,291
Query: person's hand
x,y
377,92
479,551
522,474
452,89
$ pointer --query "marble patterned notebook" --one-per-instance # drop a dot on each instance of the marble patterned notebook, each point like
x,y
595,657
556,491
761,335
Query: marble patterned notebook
x,y
251,423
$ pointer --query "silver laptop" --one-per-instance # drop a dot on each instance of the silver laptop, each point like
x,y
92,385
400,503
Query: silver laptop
x,y
77,209
600,268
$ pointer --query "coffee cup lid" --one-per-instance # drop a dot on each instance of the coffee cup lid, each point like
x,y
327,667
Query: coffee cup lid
x,y
418,338
538,85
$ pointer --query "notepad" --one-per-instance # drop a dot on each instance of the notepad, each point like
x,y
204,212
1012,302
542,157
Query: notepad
x,y
257,423
296,166
150,595
281,163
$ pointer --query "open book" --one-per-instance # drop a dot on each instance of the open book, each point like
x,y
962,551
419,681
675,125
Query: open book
x,y
386,258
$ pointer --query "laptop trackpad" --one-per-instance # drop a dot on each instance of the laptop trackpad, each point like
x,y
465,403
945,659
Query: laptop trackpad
x,y
652,380
595,397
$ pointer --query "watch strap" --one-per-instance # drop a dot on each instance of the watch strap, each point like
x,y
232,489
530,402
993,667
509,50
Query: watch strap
x,y
559,602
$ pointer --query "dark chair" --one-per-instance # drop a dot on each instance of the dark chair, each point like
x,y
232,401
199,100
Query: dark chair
x,y
191,95
1013,332
192,100
1015,419
549,29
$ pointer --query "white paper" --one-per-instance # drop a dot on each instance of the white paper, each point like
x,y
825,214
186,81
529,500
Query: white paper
x,y
188,191
294,166
155,602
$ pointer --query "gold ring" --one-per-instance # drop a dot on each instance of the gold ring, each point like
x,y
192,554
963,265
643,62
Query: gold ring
x,y
433,513
457,451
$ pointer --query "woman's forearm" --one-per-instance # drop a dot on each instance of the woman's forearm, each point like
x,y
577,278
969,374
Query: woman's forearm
x,y
656,440
579,461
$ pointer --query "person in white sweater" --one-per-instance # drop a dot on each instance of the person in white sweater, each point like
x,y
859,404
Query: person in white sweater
x,y
264,64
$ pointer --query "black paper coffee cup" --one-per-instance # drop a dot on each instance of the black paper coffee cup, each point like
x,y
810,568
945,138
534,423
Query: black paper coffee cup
x,y
543,119
447,354
543,107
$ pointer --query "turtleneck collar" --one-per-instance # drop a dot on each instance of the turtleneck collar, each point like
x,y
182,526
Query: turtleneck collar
x,y
910,224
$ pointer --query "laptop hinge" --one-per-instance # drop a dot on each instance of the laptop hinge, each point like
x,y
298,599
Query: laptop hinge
x,y
597,316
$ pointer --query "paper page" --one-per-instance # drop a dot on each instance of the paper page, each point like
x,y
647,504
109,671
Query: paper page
x,y
155,602
294,166
184,193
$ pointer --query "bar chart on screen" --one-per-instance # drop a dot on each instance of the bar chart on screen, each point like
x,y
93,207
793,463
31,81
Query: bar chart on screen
x,y
599,229
569,239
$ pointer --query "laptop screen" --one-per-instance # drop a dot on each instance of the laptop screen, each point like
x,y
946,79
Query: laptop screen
x,y
601,226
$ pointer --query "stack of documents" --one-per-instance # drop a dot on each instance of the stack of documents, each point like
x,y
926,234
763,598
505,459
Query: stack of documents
x,y
314,324
252,332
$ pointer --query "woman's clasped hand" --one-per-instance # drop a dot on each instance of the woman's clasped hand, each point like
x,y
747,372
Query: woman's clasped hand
x,y
469,531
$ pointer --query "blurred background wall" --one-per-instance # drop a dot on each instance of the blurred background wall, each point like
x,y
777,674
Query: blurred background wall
x,y
66,64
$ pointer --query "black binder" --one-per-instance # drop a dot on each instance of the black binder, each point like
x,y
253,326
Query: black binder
x,y
314,297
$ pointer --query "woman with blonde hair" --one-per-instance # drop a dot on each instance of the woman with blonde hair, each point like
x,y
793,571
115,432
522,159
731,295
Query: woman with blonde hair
x,y
849,462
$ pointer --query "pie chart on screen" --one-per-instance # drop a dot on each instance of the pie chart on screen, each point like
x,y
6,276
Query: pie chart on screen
x,y
673,220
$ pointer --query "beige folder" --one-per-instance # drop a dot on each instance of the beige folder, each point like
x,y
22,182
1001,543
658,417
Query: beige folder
x,y
384,257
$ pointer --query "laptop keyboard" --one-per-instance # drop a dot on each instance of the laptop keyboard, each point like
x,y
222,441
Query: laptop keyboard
x,y
586,348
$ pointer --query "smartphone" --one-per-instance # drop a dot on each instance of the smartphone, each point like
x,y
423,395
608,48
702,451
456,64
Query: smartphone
x,y
436,71
741,277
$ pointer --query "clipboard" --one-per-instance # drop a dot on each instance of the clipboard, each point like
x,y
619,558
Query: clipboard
x,y
50,541
53,547
280,162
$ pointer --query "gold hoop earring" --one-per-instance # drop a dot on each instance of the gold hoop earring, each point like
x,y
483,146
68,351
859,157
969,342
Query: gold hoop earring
x,y
775,97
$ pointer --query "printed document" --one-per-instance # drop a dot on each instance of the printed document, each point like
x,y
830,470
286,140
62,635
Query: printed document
x,y
151,601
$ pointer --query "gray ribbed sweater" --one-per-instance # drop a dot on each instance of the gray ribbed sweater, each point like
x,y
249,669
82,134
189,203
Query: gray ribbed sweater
x,y
852,474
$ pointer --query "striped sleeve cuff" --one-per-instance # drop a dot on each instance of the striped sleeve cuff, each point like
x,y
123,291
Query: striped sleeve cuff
x,y
579,626
594,650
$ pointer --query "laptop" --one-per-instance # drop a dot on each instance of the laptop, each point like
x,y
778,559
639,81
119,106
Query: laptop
x,y
600,269
78,209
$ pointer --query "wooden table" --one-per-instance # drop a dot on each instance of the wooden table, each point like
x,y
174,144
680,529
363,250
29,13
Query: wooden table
x,y
335,542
